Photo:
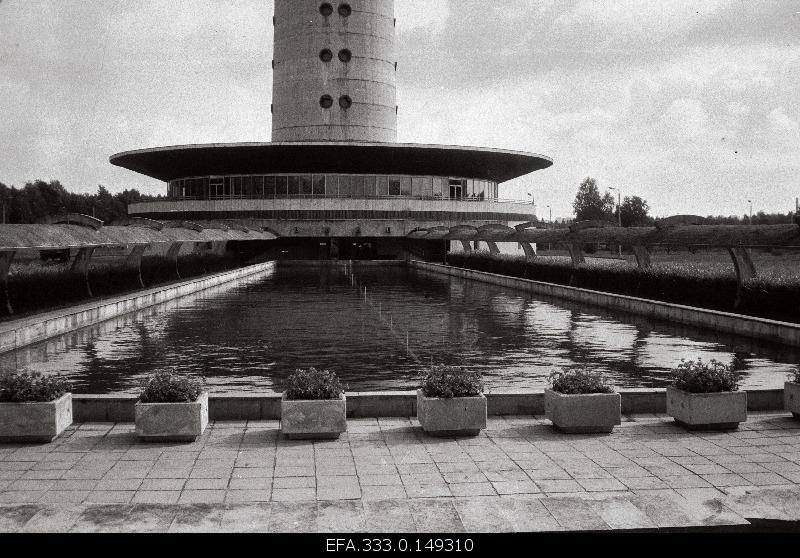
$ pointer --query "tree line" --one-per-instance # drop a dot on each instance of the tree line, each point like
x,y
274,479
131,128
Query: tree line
x,y
633,211
39,198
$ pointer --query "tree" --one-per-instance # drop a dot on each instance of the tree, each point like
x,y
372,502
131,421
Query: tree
x,y
634,212
39,198
590,206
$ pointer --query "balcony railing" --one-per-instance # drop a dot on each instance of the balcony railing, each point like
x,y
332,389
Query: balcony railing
x,y
331,196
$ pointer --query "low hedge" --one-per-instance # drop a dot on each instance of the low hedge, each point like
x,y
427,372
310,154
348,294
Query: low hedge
x,y
690,286
42,286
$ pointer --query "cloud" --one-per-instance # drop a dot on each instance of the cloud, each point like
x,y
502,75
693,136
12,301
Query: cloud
x,y
430,15
687,118
627,20
781,122
669,104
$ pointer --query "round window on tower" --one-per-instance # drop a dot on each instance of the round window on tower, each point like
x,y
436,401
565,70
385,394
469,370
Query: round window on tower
x,y
345,10
326,101
326,9
325,55
345,55
345,102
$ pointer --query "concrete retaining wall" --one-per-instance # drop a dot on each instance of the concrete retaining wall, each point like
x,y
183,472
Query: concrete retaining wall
x,y
40,327
120,408
737,324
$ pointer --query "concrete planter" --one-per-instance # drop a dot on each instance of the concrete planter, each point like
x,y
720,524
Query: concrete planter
x,y
460,416
583,413
791,398
35,421
172,422
323,419
707,411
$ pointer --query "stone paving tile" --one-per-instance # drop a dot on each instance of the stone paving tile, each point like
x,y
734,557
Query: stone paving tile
x,y
764,479
294,482
110,496
727,479
197,518
520,458
156,497
249,518
388,516
620,513
528,515
575,514
601,484
250,495
202,497
382,492
14,518
340,516
379,479
414,490
559,486
662,509
707,505
435,516
472,489
296,517
516,487
338,488
101,518
482,515
149,518
52,519
685,481
294,494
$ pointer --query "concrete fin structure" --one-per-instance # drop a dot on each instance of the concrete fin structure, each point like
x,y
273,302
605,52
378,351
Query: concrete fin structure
x,y
134,261
745,269
530,253
6,258
81,265
334,170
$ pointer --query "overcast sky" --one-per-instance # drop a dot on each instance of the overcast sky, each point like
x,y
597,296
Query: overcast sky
x,y
692,104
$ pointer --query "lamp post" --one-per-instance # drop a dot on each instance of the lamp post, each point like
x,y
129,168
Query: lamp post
x,y
550,209
619,212
751,211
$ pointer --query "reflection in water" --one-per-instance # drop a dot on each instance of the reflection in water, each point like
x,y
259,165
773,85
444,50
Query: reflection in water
x,y
251,334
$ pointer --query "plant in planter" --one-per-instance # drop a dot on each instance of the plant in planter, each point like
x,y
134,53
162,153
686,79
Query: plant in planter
x,y
791,393
450,402
582,402
706,396
314,406
33,407
172,408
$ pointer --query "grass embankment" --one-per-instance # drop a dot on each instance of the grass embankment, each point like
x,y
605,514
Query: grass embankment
x,y
37,286
706,283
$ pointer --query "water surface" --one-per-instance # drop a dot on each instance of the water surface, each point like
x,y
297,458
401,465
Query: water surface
x,y
378,328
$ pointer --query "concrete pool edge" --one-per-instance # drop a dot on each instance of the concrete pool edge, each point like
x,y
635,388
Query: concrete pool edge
x,y
16,334
386,404
737,324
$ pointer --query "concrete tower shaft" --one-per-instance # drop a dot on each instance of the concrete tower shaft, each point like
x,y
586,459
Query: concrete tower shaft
x,y
334,71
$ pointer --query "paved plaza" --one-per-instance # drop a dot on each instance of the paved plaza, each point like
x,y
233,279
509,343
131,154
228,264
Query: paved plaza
x,y
386,475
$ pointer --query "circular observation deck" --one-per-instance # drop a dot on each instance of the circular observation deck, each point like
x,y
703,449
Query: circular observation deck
x,y
355,158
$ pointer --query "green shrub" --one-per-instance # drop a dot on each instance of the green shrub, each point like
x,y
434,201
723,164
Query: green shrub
x,y
313,384
26,387
171,387
447,382
700,377
576,381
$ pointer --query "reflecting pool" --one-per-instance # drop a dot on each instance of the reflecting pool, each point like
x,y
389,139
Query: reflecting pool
x,y
379,328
